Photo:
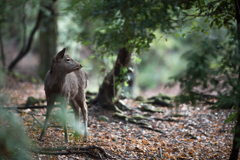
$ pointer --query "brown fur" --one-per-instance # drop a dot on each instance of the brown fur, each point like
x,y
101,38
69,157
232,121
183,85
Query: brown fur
x,y
64,82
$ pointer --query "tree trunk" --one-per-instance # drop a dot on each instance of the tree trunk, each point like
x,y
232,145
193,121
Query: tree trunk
x,y
235,146
108,89
2,49
47,37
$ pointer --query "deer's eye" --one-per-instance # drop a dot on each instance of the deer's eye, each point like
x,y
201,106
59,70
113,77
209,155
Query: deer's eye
x,y
68,59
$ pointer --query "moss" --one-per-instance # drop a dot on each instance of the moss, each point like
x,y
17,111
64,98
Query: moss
x,y
148,108
139,117
139,98
103,118
121,116
178,115
31,101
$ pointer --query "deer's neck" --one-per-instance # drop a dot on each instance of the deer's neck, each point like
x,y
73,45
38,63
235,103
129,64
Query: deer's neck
x,y
58,81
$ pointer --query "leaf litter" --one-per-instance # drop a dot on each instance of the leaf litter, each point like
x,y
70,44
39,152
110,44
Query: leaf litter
x,y
199,134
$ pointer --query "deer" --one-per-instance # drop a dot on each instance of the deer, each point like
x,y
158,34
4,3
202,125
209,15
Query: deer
x,y
65,82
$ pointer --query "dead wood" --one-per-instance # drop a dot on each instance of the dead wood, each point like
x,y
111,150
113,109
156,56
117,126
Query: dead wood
x,y
191,136
159,102
89,150
168,120
29,107
152,129
207,96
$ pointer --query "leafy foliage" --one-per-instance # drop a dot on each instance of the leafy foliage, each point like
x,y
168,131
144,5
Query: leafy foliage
x,y
213,66
125,23
13,141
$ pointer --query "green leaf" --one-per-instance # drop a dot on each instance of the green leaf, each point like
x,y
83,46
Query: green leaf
x,y
211,24
231,117
136,59
177,35
219,26
86,43
126,84
206,20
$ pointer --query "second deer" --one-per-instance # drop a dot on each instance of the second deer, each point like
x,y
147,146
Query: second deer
x,y
64,82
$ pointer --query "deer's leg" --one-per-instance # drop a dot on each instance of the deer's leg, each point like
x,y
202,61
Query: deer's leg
x,y
64,117
76,110
49,109
80,99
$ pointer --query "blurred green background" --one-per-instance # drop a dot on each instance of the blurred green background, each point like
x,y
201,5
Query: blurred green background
x,y
161,61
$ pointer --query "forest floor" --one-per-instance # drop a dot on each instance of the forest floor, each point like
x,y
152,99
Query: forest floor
x,y
198,133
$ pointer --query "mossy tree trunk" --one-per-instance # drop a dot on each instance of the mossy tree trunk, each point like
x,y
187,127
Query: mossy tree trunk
x,y
236,145
108,89
47,36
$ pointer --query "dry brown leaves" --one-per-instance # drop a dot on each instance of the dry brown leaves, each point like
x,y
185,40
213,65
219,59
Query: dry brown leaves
x,y
201,133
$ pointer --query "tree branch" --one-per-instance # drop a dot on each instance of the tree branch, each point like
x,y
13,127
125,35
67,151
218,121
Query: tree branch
x,y
90,150
29,107
152,129
24,49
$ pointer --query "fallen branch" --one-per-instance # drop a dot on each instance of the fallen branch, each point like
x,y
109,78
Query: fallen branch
x,y
37,120
168,120
152,129
29,107
159,102
208,102
208,96
160,152
191,135
67,153
73,150
25,107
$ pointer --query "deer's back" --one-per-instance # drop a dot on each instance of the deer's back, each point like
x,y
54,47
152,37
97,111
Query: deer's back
x,y
69,86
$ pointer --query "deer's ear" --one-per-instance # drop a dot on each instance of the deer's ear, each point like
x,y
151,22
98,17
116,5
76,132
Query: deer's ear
x,y
60,55
51,66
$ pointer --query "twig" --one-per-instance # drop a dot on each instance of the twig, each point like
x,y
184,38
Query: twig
x,y
36,120
160,152
169,120
208,102
65,153
33,117
152,129
208,96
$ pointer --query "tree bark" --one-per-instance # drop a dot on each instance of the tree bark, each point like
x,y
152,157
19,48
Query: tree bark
x,y
47,37
2,49
108,89
235,146
24,49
